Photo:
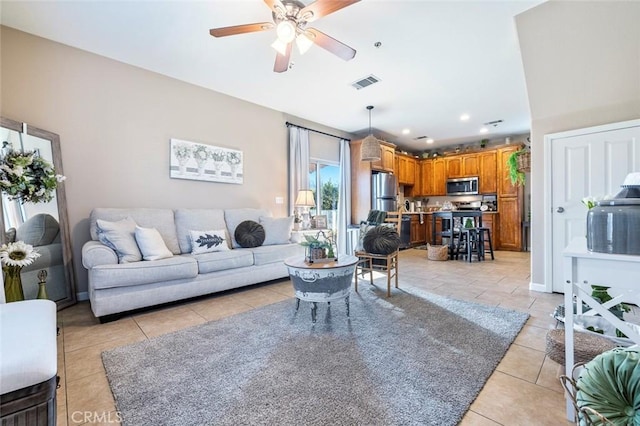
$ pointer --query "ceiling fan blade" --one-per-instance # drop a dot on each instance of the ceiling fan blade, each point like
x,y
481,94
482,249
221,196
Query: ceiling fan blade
x,y
282,61
320,8
274,3
331,44
241,29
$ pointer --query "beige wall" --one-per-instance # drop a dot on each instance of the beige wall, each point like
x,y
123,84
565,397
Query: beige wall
x,y
115,122
582,68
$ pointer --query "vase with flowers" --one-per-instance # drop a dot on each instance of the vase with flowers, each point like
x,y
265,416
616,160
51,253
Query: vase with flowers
x,y
27,177
201,155
218,161
182,153
234,159
13,257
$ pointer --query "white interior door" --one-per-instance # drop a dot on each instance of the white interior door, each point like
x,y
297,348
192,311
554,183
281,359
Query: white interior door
x,y
593,163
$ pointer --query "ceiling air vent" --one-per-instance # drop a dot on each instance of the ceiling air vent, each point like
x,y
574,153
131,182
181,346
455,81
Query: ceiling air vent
x,y
366,81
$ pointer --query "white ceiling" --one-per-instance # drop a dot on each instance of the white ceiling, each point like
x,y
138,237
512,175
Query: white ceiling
x,y
438,59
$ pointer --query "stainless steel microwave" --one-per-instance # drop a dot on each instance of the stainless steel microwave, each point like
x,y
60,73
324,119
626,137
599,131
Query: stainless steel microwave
x,y
462,186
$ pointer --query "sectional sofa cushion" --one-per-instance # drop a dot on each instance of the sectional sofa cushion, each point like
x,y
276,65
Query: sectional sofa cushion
x,y
276,253
234,217
277,230
197,220
137,273
208,241
161,219
120,237
220,261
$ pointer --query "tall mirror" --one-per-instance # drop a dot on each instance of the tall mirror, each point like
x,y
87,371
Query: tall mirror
x,y
44,225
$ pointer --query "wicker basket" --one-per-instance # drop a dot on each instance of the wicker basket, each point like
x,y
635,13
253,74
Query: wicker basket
x,y
524,161
437,252
585,346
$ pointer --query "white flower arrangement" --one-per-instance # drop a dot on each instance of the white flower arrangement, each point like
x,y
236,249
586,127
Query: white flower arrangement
x,y
234,158
201,153
18,254
218,155
28,177
182,151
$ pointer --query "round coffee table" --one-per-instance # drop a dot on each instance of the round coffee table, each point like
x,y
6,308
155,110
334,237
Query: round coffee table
x,y
321,282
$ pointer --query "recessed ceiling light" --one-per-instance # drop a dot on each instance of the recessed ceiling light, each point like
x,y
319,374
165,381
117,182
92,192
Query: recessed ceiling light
x,y
464,117
406,131
484,130
429,140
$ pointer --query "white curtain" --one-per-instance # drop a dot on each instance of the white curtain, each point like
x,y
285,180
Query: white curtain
x,y
344,197
298,163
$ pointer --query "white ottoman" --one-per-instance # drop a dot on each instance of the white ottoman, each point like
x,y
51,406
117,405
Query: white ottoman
x,y
28,362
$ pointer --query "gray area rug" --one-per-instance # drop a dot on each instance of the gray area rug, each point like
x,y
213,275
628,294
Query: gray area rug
x,y
412,359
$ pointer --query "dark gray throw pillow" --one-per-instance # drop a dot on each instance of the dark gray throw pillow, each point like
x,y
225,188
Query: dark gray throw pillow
x,y
249,234
381,240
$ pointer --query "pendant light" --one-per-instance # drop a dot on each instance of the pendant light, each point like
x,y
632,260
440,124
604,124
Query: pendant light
x,y
370,145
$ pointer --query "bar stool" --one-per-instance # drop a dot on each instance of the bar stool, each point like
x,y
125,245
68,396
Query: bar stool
x,y
469,238
484,236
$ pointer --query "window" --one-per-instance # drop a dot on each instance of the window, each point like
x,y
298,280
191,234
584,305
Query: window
x,y
324,179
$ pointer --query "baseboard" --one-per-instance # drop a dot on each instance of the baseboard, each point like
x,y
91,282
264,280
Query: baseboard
x,y
538,287
80,297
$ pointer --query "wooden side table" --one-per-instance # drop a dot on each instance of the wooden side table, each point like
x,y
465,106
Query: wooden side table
x,y
321,282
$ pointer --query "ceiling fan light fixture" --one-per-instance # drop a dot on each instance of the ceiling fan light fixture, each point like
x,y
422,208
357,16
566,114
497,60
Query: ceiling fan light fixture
x,y
286,31
304,43
370,149
280,46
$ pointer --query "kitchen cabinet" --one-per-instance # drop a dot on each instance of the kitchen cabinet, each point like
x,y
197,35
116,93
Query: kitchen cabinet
x,y
426,177
428,231
387,158
418,230
406,169
453,166
490,220
488,172
505,187
469,164
439,177
509,232
360,184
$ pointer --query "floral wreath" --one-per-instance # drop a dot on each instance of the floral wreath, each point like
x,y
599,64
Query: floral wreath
x,y
28,177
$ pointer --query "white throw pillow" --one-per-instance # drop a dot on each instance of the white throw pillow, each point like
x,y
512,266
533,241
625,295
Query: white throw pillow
x,y
120,236
276,230
151,244
208,241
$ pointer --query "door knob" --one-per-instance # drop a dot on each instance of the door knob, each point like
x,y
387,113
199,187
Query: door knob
x,y
560,209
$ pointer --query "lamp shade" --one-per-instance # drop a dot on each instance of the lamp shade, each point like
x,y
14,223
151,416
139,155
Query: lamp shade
x,y
370,150
305,198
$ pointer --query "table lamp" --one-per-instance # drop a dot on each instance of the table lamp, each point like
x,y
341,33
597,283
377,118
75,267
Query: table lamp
x,y
304,201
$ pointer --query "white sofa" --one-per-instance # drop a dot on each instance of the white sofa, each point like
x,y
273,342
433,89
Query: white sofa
x,y
116,287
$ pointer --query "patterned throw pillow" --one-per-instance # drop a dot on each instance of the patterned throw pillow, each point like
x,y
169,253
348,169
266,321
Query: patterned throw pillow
x,y
249,234
208,241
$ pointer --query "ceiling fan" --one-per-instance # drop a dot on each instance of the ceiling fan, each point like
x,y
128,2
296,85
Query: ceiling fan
x,y
290,19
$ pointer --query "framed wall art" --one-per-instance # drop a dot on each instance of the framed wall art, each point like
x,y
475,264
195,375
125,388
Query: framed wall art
x,y
196,161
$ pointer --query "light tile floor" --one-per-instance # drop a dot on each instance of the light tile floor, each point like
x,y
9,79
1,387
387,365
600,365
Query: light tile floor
x,y
524,389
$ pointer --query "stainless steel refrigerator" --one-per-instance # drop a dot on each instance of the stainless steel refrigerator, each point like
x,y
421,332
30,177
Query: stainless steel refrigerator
x,y
383,192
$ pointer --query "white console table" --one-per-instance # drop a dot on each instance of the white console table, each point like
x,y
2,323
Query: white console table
x,y
583,268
